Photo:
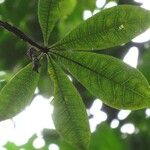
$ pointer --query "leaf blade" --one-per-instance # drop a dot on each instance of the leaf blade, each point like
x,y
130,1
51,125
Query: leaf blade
x,y
21,88
45,84
69,114
48,14
100,140
117,84
109,28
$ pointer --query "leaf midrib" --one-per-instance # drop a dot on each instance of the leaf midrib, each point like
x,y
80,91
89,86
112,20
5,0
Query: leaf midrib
x,y
126,87
67,108
104,31
47,24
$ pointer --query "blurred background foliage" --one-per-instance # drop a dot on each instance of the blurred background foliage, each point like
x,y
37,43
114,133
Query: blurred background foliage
x,y
120,130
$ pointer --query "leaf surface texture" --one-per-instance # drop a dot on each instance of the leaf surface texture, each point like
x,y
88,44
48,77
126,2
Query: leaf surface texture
x,y
18,92
111,27
48,14
114,82
69,114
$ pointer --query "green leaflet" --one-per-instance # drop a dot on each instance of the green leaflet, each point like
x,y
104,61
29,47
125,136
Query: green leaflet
x,y
69,114
48,13
117,84
67,6
45,84
18,92
109,28
2,83
105,138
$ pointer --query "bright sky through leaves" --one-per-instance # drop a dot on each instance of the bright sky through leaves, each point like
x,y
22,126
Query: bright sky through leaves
x,y
53,147
2,1
128,128
41,107
114,123
131,57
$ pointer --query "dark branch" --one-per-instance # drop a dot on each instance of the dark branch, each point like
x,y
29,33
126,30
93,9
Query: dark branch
x,y
22,35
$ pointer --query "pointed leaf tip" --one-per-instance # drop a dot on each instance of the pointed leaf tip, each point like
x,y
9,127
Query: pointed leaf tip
x,y
70,117
108,28
49,12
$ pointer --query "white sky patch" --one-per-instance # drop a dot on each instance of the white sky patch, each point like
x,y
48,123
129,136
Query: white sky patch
x,y
17,137
38,114
2,73
53,147
121,27
100,3
93,124
96,106
110,4
36,91
31,121
96,11
69,77
97,119
123,114
147,112
88,112
2,1
6,128
2,148
144,37
128,128
98,115
38,143
87,14
139,1
146,4
131,57
2,80
114,123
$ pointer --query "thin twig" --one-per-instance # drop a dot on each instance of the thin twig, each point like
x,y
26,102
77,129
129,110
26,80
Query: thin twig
x,y
22,35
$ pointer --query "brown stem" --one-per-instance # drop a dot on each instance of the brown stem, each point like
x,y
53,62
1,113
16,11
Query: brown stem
x,y
22,35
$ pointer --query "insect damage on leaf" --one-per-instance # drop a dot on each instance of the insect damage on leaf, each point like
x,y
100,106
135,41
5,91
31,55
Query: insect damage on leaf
x,y
32,54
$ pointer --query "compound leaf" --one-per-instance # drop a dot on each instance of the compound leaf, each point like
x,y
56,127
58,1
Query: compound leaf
x,y
109,28
18,92
117,84
69,114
